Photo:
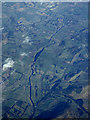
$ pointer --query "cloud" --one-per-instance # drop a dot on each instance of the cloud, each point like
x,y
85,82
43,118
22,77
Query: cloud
x,y
24,54
27,40
8,64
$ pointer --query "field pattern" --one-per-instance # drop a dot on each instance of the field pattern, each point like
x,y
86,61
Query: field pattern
x,y
45,60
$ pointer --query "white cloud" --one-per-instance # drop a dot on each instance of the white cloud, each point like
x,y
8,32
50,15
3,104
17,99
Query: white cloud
x,y
24,54
27,40
30,43
8,64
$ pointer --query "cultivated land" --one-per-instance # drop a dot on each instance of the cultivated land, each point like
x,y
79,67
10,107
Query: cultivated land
x,y
45,60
